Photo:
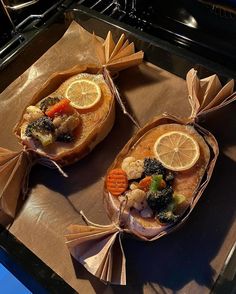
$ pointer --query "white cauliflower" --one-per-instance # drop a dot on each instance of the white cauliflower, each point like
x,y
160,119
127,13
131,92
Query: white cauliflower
x,y
140,206
146,212
133,186
133,168
136,199
33,113
65,123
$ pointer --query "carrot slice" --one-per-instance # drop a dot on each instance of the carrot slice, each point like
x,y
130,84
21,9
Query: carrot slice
x,y
163,184
117,181
145,183
61,106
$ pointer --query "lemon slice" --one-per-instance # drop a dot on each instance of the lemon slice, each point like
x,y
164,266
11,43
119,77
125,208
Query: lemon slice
x,y
176,150
83,94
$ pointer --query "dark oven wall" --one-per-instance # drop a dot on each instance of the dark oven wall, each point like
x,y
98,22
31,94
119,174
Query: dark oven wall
x,y
201,28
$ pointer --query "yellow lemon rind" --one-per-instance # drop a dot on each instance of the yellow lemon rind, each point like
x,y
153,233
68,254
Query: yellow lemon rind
x,y
179,168
88,106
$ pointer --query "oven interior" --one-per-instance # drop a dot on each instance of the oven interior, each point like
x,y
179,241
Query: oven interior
x,y
197,27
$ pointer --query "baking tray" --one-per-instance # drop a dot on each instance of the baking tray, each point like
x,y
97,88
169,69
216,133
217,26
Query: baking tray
x,y
184,260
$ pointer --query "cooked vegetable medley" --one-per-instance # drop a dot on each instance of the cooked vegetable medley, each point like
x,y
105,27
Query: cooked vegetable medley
x,y
53,119
148,188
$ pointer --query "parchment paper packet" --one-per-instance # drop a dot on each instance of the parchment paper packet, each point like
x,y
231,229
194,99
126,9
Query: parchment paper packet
x,y
98,247
81,52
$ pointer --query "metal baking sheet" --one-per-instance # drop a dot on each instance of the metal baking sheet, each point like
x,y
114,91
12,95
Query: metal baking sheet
x,y
188,260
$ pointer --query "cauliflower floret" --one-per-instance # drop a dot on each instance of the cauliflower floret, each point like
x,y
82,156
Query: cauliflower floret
x,y
66,124
140,206
146,212
136,199
33,113
133,168
133,186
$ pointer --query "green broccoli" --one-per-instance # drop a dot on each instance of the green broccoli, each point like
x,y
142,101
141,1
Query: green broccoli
x,y
65,138
41,129
167,216
159,199
47,102
153,166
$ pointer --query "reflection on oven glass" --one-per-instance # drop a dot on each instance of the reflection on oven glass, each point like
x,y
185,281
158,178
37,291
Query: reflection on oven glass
x,y
6,25
22,20
19,10
16,5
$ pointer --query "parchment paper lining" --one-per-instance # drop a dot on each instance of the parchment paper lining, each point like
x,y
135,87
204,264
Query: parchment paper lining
x,y
37,75
205,96
110,57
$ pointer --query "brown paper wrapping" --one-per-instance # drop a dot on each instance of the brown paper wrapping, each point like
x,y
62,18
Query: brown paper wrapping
x,y
53,202
47,216
93,246
205,95
106,57
119,56
14,169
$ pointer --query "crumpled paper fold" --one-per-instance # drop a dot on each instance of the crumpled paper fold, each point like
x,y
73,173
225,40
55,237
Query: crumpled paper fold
x,y
116,56
208,94
14,169
205,95
88,50
99,249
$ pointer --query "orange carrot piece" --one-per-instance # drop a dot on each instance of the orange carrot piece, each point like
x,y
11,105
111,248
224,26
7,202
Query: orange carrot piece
x,y
117,181
163,184
145,183
61,106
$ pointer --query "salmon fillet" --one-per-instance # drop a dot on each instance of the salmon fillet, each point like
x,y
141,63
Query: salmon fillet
x,y
185,182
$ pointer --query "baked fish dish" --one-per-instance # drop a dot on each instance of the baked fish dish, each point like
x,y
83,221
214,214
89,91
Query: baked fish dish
x,y
66,120
154,179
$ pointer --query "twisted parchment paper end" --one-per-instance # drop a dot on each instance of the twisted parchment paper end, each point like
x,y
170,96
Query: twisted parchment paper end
x,y
208,94
115,57
15,168
94,245
99,248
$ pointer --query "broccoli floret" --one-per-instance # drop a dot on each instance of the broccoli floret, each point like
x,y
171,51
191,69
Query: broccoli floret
x,y
155,183
47,102
43,124
65,137
153,166
167,216
169,176
41,129
159,199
